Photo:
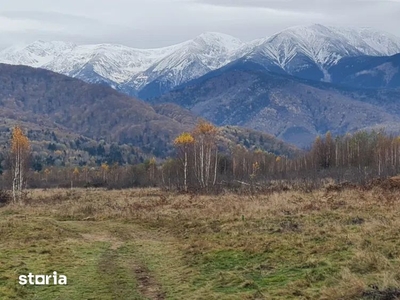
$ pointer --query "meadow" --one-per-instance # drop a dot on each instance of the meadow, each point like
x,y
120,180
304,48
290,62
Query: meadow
x,y
333,243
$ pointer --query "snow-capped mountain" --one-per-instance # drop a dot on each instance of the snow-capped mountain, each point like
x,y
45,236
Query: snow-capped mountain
x,y
304,51
126,68
193,59
115,63
379,43
309,51
36,54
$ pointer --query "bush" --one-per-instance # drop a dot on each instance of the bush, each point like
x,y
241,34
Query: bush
x,y
5,197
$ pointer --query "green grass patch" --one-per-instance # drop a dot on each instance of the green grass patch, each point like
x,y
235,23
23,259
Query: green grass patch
x,y
41,246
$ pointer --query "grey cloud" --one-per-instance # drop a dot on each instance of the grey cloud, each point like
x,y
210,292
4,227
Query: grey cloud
x,y
58,26
300,5
380,14
157,23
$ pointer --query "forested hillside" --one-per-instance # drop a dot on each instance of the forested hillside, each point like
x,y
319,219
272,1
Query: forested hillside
x,y
73,123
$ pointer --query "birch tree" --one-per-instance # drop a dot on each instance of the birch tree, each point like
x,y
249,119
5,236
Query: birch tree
x,y
104,170
206,153
19,154
183,143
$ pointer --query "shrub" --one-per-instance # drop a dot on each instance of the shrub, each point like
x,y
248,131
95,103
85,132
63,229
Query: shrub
x,y
5,197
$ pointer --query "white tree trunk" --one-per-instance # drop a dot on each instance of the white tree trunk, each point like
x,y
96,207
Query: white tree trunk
x,y
216,166
185,172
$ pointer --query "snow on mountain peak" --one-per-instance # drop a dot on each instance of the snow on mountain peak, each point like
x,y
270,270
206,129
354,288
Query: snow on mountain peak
x,y
293,50
117,63
316,42
206,52
35,54
120,63
378,42
228,42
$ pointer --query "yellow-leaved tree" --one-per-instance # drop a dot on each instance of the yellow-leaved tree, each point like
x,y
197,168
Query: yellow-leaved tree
x,y
104,169
184,143
199,153
19,156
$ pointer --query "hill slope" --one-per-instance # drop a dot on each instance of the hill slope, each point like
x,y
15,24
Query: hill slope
x,y
59,109
295,110
368,72
94,111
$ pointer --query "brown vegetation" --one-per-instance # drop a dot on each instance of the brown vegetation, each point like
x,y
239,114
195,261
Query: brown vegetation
x,y
333,243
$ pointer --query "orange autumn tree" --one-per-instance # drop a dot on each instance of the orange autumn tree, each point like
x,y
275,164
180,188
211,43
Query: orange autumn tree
x,y
184,143
198,152
19,155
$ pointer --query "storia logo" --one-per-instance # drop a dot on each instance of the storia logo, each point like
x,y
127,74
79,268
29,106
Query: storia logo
x,y
53,279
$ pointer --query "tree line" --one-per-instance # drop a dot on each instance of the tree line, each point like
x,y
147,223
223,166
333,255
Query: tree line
x,y
200,165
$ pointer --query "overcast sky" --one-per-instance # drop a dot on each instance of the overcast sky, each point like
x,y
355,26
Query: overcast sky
x,y
156,23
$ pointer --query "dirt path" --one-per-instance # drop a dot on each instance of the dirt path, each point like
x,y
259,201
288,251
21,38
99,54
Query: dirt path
x,y
147,284
119,236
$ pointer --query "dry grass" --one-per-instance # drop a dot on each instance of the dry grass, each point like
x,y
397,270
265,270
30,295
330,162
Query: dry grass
x,y
327,244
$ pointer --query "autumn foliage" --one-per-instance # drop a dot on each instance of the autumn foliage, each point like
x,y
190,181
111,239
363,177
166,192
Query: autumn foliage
x,y
19,154
184,139
204,163
198,152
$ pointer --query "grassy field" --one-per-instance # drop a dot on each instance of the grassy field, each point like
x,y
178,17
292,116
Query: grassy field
x,y
147,244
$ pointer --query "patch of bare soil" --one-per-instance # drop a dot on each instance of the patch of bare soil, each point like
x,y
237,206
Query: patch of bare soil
x,y
147,284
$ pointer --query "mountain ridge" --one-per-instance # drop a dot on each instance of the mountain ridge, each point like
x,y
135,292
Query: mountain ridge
x,y
310,51
303,51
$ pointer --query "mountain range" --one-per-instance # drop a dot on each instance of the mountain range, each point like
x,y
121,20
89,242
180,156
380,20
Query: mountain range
x,y
296,84
313,52
128,69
